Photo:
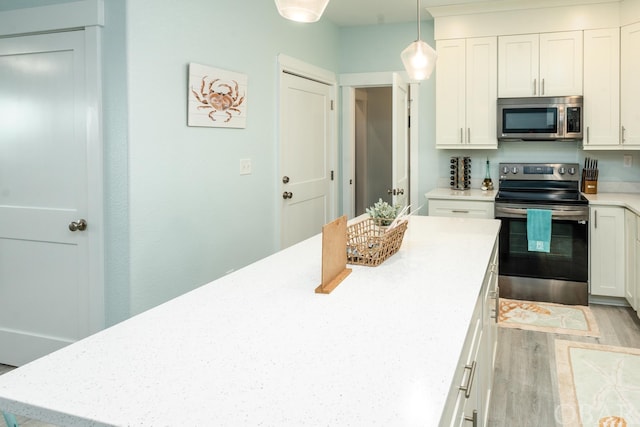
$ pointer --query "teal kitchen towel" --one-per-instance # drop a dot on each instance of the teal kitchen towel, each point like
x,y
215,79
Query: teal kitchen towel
x,y
539,230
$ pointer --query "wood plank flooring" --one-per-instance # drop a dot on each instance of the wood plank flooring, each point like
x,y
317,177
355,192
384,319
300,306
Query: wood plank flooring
x,y
525,388
525,391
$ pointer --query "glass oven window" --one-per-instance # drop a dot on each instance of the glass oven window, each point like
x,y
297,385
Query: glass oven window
x,y
530,120
566,260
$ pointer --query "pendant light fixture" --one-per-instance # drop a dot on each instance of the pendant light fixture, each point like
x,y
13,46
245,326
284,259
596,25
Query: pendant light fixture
x,y
301,10
419,58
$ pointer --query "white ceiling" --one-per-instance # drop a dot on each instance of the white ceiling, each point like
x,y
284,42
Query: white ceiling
x,y
369,12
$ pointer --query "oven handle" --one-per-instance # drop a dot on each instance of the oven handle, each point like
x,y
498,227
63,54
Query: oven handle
x,y
523,212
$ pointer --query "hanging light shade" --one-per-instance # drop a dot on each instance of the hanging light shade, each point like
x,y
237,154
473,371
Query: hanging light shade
x,y
301,10
419,58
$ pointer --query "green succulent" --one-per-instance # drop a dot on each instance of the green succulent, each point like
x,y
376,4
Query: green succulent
x,y
384,212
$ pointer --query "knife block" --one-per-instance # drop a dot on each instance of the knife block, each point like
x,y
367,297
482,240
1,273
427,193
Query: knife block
x,y
589,187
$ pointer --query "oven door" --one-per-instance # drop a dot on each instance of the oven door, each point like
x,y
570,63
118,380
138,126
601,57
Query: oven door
x,y
542,276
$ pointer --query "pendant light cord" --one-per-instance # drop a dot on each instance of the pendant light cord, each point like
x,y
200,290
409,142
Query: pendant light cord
x,y
418,14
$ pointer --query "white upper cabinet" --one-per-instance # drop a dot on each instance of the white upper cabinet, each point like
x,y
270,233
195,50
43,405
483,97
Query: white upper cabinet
x,y
548,64
466,93
601,89
630,86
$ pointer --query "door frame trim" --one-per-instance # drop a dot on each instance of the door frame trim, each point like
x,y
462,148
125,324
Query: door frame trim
x,y
287,64
349,82
87,15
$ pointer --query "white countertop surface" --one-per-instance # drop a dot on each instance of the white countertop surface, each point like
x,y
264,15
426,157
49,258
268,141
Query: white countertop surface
x,y
471,194
259,347
627,200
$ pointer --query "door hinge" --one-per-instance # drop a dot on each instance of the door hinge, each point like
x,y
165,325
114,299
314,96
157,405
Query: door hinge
x,y
332,105
331,175
408,121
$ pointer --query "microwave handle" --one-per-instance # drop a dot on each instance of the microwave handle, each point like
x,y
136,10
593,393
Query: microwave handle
x,y
561,120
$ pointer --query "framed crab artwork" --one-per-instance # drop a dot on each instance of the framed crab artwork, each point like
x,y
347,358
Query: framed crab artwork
x,y
217,98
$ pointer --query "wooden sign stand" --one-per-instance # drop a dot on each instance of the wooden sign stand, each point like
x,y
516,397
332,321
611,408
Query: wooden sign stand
x,y
334,255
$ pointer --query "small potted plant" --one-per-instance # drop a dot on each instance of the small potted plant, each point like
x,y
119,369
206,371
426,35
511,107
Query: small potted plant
x,y
383,213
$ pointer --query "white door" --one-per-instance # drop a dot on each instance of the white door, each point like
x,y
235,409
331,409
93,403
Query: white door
x,y
400,141
44,272
305,158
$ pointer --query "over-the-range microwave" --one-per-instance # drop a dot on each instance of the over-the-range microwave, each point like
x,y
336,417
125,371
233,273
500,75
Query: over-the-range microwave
x,y
540,118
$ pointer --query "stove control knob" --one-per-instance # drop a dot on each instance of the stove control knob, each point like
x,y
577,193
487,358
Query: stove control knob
x,y
514,170
505,170
562,171
572,171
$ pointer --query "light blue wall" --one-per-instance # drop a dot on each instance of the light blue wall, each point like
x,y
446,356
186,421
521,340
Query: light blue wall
x,y
377,48
192,216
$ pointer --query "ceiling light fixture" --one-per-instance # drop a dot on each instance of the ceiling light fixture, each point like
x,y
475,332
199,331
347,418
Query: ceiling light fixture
x,y
419,58
301,10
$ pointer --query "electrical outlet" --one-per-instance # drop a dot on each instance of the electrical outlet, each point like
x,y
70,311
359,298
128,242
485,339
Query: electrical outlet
x,y
628,160
245,166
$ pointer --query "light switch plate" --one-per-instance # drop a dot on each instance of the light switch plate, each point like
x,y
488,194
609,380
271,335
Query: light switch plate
x,y
245,166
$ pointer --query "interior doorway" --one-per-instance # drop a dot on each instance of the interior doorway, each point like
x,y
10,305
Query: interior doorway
x,y
373,136
361,93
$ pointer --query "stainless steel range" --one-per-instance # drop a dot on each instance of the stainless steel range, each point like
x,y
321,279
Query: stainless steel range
x,y
559,272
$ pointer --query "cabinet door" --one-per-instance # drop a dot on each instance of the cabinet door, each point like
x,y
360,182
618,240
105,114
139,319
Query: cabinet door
x,y
607,246
560,64
481,91
630,85
518,65
450,93
630,258
601,88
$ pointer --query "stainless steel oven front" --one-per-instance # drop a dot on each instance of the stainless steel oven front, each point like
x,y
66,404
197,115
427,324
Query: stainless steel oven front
x,y
562,274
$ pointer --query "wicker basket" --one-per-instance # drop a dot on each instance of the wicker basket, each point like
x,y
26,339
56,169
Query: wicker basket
x,y
371,244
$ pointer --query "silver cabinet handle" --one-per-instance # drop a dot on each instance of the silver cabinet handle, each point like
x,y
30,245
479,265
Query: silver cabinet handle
x,y
587,134
467,387
461,136
468,135
623,129
595,218
535,86
79,225
542,89
473,418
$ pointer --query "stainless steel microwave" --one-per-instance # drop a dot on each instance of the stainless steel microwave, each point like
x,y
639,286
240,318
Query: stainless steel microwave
x,y
540,118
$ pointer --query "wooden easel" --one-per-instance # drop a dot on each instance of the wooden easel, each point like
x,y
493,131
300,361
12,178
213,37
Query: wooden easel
x,y
334,255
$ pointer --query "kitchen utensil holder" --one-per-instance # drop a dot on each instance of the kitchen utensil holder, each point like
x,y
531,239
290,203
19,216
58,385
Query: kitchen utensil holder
x,y
370,244
460,173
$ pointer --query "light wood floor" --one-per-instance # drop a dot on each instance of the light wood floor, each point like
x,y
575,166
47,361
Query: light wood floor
x,y
525,388
525,391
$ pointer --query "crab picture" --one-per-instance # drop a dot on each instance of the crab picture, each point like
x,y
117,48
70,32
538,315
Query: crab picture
x,y
219,97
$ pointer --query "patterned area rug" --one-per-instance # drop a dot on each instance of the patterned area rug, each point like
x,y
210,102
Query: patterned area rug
x,y
599,385
548,317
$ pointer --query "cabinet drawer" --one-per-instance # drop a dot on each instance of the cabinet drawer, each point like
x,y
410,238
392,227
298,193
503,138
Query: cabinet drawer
x,y
461,208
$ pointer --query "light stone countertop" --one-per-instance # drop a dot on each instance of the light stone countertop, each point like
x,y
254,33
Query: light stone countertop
x,y
259,347
630,201
471,194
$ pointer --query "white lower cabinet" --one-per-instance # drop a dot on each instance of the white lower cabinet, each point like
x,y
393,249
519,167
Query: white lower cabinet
x,y
637,265
607,251
461,208
631,239
470,395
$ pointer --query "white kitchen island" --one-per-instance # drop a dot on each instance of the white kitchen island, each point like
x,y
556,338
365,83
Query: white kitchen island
x,y
259,347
